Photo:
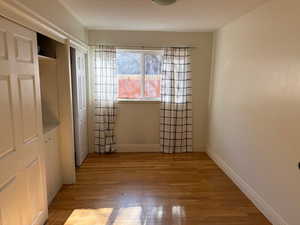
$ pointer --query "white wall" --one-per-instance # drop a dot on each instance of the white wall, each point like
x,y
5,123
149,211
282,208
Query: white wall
x,y
55,12
138,123
255,111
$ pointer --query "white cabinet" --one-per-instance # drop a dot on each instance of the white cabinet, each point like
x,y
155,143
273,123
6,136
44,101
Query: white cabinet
x,y
50,111
53,163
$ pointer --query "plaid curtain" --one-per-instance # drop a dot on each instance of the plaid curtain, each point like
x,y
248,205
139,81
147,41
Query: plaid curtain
x,y
176,102
105,98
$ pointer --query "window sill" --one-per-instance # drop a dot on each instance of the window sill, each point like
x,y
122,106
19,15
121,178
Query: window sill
x,y
138,101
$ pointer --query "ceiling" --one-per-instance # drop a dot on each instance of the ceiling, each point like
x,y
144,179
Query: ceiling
x,y
184,15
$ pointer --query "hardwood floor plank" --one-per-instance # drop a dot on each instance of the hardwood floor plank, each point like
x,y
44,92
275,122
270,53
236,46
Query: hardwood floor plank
x,y
152,189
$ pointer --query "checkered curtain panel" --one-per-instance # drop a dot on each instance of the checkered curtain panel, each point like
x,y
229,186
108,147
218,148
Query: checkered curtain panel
x,y
176,102
105,98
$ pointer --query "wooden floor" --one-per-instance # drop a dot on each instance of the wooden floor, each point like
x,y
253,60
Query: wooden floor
x,y
152,189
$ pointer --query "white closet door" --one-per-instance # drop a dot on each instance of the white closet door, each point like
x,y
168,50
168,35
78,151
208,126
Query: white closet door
x,y
80,108
22,173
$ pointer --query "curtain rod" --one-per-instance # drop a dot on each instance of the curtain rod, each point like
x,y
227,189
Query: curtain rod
x,y
142,46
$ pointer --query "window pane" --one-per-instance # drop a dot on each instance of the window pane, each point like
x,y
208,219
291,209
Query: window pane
x,y
129,63
130,86
152,86
129,70
153,64
152,75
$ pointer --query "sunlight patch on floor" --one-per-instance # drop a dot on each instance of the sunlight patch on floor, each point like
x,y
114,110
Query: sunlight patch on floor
x,y
89,217
127,216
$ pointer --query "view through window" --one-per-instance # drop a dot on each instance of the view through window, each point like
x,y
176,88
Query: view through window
x,y
139,73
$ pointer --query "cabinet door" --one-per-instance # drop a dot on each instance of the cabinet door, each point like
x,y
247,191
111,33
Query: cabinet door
x,y
22,174
53,167
80,106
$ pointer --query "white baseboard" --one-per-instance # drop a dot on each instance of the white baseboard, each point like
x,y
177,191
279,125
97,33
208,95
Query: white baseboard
x,y
51,196
146,148
257,200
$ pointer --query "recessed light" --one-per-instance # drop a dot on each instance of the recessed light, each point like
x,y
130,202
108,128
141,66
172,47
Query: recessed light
x,y
164,2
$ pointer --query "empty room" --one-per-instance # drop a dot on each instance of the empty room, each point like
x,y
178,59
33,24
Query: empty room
x,y
150,112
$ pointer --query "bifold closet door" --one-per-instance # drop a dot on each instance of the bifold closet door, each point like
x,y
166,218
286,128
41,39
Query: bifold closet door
x,y
80,104
22,175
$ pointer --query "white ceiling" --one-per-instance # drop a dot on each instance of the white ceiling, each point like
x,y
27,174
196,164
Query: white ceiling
x,y
185,15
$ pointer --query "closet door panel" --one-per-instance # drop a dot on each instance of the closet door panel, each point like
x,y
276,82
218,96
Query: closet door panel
x,y
3,45
6,120
80,108
21,140
34,189
23,49
8,145
30,122
28,107
9,213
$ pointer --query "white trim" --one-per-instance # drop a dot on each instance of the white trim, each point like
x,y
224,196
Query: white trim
x,y
146,148
21,14
257,200
52,195
15,11
211,86
91,101
84,48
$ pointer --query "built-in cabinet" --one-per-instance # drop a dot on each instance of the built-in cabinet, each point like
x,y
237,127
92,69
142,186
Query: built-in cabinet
x,y
57,113
50,113
61,118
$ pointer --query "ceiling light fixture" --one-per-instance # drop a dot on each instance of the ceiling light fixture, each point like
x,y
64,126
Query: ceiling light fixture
x,y
164,2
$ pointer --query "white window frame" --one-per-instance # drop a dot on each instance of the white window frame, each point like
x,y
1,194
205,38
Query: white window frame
x,y
144,51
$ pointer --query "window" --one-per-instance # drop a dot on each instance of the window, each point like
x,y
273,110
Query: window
x,y
139,73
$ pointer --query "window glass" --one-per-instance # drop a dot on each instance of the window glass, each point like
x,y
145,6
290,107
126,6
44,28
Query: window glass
x,y
152,64
152,75
139,74
129,72
128,63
